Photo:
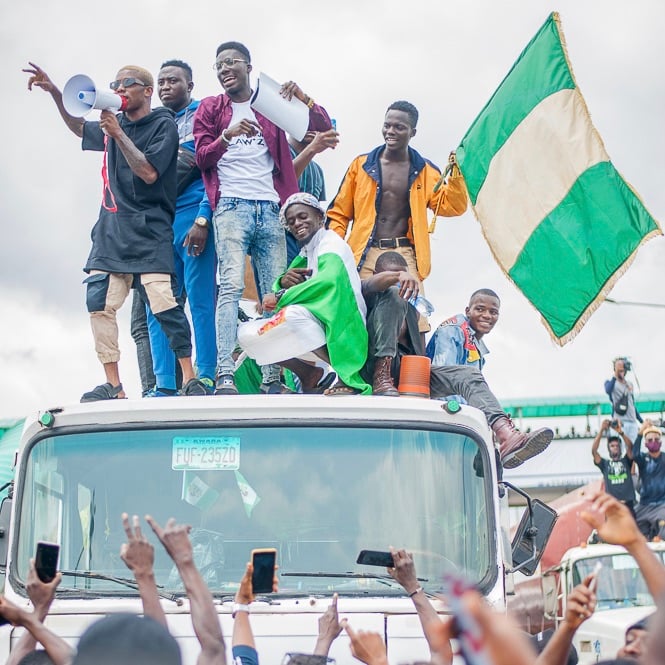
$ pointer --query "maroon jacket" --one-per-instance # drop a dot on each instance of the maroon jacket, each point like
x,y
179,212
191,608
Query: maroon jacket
x,y
214,116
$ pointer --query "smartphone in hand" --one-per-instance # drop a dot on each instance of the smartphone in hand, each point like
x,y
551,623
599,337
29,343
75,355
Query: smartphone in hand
x,y
46,561
374,558
263,562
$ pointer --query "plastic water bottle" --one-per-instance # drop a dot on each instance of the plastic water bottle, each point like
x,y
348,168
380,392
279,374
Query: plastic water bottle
x,y
423,305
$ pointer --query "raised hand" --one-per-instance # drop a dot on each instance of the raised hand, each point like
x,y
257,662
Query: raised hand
x,y
137,553
39,78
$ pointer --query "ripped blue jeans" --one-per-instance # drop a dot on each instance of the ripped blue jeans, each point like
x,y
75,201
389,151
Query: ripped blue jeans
x,y
244,227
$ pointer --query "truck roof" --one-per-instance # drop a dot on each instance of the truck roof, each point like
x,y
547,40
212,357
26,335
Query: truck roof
x,y
280,409
602,549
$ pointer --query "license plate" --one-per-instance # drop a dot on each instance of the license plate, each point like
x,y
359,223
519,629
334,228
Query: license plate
x,y
206,453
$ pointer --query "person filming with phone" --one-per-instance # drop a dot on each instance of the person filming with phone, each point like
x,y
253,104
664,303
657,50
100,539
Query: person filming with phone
x,y
620,392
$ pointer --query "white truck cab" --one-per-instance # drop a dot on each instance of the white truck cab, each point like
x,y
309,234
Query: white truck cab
x,y
318,478
621,592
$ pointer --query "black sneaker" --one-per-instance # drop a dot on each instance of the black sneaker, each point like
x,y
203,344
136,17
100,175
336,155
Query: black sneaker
x,y
105,391
225,385
194,388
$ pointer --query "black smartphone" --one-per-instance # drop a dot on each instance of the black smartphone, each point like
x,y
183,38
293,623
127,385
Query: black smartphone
x,y
263,561
46,561
374,558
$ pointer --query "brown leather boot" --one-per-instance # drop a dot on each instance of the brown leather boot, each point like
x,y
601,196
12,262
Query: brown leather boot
x,y
382,381
516,447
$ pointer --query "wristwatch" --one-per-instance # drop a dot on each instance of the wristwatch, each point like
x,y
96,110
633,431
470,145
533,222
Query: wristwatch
x,y
239,607
202,222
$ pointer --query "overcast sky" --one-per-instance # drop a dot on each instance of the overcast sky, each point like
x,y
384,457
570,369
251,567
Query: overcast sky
x,y
355,57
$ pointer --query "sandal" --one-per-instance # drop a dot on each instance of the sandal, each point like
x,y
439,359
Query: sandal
x,y
105,391
323,385
341,390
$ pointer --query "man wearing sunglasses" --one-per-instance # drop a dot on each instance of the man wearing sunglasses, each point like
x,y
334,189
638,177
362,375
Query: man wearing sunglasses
x,y
132,241
650,512
248,172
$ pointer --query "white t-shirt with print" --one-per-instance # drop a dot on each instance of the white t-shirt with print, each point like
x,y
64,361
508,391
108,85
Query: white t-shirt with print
x,y
245,169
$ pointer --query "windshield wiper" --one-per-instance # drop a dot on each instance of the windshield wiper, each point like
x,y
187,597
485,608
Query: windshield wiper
x,y
124,581
350,575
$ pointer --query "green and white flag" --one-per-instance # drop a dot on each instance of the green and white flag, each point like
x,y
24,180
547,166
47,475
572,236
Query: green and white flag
x,y
196,492
560,220
249,497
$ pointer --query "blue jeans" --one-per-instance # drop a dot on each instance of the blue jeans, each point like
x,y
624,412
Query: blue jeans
x,y
244,227
197,275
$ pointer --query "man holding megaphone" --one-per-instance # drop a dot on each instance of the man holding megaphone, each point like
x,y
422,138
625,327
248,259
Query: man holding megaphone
x,y
132,239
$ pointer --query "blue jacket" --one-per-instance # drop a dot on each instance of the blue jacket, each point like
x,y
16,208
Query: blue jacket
x,y
454,342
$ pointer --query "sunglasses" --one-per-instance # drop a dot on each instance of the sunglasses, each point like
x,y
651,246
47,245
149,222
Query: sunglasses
x,y
655,440
126,83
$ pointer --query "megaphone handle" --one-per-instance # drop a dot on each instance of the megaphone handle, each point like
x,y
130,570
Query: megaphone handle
x,y
106,186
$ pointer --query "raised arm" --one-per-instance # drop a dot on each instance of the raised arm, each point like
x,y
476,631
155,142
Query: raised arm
x,y
57,649
41,595
39,78
175,539
626,439
321,141
450,199
242,629
329,629
616,525
404,571
580,606
596,442
139,556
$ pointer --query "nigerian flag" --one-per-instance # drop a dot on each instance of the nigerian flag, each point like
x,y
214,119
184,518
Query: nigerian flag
x,y
560,220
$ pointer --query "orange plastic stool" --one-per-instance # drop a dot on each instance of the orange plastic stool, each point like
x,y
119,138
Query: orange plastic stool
x,y
414,374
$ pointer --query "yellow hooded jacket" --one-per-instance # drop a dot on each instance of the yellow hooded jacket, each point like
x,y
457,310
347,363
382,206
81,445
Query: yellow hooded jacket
x,y
359,199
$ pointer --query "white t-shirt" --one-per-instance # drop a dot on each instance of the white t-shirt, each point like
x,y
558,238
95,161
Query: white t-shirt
x,y
245,169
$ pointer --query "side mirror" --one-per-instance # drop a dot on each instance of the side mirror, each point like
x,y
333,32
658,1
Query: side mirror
x,y
532,535
5,516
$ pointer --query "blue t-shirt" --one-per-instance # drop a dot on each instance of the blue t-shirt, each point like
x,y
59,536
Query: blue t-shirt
x,y
652,477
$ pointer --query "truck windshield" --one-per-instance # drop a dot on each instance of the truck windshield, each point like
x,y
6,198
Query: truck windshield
x,y
620,582
318,495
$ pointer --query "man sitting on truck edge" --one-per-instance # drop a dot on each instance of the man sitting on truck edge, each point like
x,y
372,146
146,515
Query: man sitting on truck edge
x,y
392,329
318,304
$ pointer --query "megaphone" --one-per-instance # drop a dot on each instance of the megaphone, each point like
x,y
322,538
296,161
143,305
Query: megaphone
x,y
80,96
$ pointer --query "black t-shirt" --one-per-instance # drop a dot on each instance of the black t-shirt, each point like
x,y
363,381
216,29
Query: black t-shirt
x,y
138,238
618,481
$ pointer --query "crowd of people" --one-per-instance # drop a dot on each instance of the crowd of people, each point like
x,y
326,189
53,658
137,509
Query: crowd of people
x,y
191,189
622,483
194,188
481,634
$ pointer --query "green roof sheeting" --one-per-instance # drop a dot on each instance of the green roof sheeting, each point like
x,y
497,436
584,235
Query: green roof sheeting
x,y
560,407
